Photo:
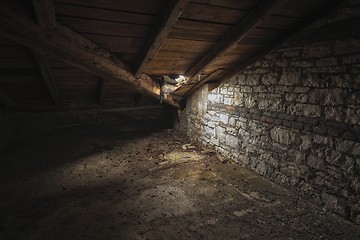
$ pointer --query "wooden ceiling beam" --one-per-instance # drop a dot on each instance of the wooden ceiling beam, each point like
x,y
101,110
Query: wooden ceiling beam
x,y
5,100
164,24
253,18
65,44
45,16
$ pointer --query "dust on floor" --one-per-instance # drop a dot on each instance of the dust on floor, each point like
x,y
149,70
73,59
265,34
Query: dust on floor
x,y
102,183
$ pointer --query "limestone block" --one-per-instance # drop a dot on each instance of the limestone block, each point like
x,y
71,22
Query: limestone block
x,y
213,97
301,89
333,113
319,139
220,133
356,151
214,141
282,135
351,59
302,64
317,50
241,79
246,89
346,46
232,141
224,118
209,131
232,121
306,143
308,110
341,81
291,53
228,101
252,79
344,146
315,162
250,102
352,116
270,79
289,77
325,62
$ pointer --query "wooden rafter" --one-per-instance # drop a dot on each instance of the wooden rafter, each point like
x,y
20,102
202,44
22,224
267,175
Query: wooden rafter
x,y
102,91
159,33
263,9
45,16
71,47
6,100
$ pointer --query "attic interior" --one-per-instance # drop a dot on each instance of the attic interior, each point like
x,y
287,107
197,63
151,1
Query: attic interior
x,y
179,119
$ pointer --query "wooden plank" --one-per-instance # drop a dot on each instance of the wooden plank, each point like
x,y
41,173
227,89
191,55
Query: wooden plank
x,y
234,4
279,22
102,91
208,13
136,6
200,31
117,43
5,100
183,45
159,33
104,27
44,12
67,10
73,48
254,17
48,77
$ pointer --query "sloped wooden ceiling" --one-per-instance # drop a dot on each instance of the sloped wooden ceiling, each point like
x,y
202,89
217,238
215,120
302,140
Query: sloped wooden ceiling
x,y
106,52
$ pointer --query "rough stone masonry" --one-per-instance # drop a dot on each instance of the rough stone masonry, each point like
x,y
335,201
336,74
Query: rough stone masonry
x,y
294,116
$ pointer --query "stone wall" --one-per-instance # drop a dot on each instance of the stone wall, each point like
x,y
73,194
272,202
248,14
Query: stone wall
x,y
293,116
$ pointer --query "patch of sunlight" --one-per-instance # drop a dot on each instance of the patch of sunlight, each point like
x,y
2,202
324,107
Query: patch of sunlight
x,y
180,156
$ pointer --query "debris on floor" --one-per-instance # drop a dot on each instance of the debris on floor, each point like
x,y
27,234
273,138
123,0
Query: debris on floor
x,y
107,184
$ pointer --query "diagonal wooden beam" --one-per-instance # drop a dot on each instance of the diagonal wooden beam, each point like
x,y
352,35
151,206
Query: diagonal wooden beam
x,y
71,47
48,77
159,33
45,16
6,100
263,9
102,91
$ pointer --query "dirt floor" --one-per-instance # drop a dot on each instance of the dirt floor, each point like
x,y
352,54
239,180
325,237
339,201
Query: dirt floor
x,y
103,183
